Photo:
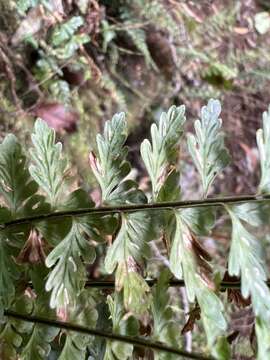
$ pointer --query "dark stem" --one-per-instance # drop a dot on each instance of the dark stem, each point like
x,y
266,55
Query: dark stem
x,y
109,284
139,207
106,335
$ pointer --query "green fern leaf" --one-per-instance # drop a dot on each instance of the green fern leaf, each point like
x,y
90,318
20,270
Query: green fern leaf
x,y
71,46
159,155
111,167
126,253
263,142
164,329
75,347
9,273
74,251
189,260
37,346
263,338
71,351
135,230
131,240
66,30
16,186
24,5
246,260
200,220
13,330
116,350
207,147
48,168
68,276
139,40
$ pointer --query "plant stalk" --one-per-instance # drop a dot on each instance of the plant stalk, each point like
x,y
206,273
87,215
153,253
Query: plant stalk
x,y
103,210
106,335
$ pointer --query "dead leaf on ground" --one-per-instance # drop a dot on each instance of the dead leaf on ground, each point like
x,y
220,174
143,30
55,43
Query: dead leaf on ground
x,y
58,116
241,30
29,26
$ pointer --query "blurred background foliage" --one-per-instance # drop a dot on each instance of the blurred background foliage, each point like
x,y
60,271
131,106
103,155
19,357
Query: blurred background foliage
x,y
75,63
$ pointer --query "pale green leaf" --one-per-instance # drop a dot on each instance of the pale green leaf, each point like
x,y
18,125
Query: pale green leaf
x,y
262,22
262,329
49,166
85,314
110,166
128,250
9,272
130,246
24,5
246,260
65,31
249,212
200,219
207,146
16,186
13,330
108,34
162,151
71,46
188,260
71,351
120,325
67,278
131,241
165,328
60,91
137,295
138,38
38,345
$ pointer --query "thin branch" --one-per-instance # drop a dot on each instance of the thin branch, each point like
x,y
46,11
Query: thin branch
x,y
106,335
139,207
109,284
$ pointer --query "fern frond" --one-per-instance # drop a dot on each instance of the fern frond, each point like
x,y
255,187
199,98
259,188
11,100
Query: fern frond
x,y
75,346
262,329
127,253
49,166
37,346
120,325
189,260
9,273
165,328
246,260
68,276
65,31
162,151
130,246
139,40
16,186
110,167
12,331
207,147
24,5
